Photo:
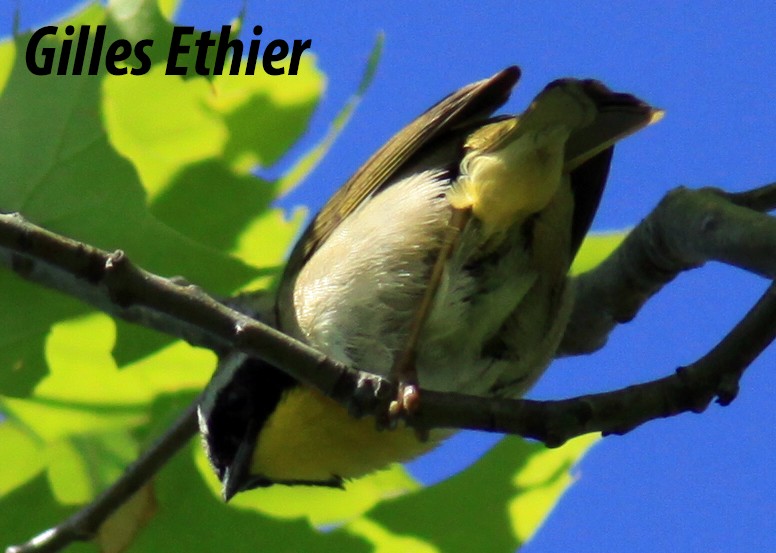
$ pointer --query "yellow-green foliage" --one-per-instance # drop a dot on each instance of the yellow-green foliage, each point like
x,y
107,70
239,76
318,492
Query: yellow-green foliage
x,y
160,167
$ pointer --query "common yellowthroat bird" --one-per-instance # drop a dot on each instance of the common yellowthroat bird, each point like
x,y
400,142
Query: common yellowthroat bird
x,y
441,263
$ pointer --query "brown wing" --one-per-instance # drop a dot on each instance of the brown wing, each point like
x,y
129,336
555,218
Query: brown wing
x,y
478,99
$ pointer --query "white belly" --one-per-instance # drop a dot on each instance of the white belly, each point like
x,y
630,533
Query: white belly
x,y
357,294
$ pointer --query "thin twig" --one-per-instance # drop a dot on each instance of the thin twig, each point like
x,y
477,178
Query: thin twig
x,y
127,290
690,389
83,525
111,283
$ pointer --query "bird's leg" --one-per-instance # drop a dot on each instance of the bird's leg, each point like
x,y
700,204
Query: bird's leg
x,y
404,371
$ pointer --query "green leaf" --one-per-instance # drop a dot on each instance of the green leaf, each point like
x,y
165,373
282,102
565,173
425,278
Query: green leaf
x,y
161,167
114,162
322,507
169,8
88,157
194,519
483,505
99,377
540,484
82,466
26,314
26,462
596,248
51,421
7,57
385,541
28,510
173,129
266,114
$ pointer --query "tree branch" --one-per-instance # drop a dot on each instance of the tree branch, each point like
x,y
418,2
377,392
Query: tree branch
x,y
112,284
760,199
685,230
690,389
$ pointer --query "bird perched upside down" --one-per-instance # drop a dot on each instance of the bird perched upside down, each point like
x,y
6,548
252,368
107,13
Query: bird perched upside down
x,y
442,263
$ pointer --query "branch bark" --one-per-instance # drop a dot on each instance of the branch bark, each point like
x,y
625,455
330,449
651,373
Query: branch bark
x,y
687,229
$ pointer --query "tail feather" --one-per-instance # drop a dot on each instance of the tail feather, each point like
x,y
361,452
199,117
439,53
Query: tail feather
x,y
617,115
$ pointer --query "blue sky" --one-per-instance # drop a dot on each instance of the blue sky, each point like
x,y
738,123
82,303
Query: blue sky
x,y
693,483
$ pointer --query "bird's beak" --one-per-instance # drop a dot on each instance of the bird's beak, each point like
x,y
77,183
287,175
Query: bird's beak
x,y
237,475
